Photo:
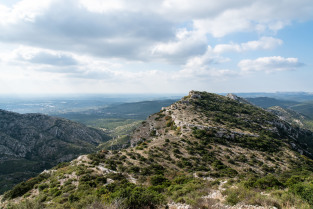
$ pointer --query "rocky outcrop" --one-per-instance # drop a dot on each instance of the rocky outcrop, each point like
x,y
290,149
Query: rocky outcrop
x,y
238,99
289,116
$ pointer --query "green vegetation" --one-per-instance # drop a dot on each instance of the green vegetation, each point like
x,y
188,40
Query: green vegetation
x,y
31,143
116,143
267,102
263,143
217,145
304,190
132,110
24,187
114,126
305,108
13,172
93,189
232,113
292,188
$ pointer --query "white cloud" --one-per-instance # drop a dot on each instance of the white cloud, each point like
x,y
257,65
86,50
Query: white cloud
x,y
130,29
25,10
96,41
264,43
227,22
204,74
269,64
205,60
185,9
38,61
4,14
201,67
102,6
65,25
186,44
222,48
32,55
254,16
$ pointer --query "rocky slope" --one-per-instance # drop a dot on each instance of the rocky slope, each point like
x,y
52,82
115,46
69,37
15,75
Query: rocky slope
x,y
290,116
29,143
204,151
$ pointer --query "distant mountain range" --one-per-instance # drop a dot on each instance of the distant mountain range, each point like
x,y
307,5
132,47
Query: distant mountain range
x,y
289,96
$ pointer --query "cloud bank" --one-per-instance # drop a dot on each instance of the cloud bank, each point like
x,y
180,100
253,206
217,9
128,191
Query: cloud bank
x,y
270,64
140,42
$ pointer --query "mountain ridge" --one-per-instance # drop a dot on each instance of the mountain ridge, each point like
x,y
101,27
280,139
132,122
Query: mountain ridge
x,y
181,154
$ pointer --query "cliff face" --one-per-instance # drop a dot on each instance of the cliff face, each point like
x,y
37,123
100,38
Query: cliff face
x,y
31,142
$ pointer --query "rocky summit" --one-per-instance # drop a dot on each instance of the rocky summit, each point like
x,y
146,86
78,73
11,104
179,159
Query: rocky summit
x,y
204,151
30,143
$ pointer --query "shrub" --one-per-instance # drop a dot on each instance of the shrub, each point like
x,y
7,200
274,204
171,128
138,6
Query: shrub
x,y
43,186
55,192
153,133
169,123
267,182
133,196
140,197
304,191
189,191
181,180
176,151
61,165
199,133
232,198
24,187
159,180
101,180
293,180
72,198
116,176
134,169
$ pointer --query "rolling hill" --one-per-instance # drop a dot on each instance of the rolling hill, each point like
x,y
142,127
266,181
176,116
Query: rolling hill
x,y
267,102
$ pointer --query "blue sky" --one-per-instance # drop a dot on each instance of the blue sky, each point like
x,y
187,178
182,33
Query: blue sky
x,y
161,46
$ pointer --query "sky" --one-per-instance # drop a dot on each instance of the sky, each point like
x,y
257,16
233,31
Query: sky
x,y
156,46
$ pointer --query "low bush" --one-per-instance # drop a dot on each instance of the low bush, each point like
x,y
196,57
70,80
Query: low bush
x,y
159,180
24,187
304,190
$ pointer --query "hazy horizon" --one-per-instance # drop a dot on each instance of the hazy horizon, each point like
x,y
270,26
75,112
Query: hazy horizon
x,y
135,95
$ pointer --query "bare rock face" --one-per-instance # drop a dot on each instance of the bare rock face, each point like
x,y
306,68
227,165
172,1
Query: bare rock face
x,y
238,99
194,95
38,141
289,116
44,137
